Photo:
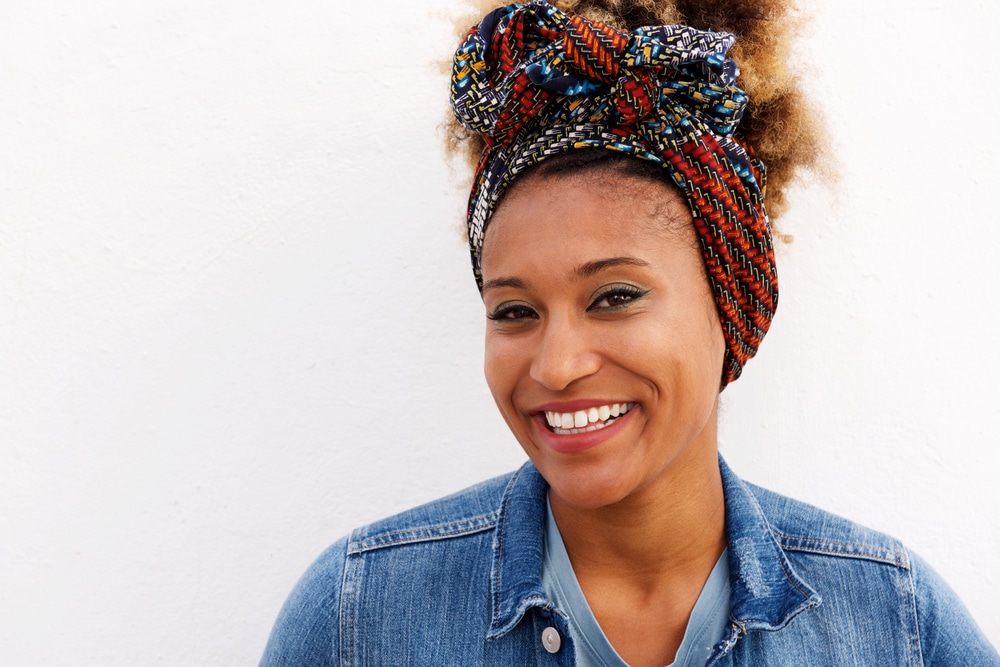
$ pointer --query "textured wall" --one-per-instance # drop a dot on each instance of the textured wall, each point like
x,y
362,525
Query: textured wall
x,y
236,316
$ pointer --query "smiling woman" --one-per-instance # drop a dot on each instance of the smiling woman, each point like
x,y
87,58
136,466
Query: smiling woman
x,y
594,309
619,236
593,306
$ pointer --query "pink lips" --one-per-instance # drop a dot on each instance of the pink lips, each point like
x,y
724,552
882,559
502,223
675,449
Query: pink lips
x,y
576,442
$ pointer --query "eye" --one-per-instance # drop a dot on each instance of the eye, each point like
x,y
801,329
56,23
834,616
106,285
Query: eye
x,y
513,312
613,297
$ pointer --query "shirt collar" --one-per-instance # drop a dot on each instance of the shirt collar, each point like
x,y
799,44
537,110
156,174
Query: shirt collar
x,y
767,592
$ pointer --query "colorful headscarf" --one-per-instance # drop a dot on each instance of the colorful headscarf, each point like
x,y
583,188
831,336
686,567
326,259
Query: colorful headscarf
x,y
536,82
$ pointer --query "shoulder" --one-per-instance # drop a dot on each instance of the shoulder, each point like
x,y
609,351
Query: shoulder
x,y
855,568
392,592
472,510
804,528
372,576
306,631
948,633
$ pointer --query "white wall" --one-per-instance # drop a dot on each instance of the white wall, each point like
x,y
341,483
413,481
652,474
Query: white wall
x,y
237,318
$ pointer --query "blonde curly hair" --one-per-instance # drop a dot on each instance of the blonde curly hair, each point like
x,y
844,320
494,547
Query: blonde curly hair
x,y
780,124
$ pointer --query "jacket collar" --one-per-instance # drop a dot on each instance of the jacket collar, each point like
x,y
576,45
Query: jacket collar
x,y
518,544
767,592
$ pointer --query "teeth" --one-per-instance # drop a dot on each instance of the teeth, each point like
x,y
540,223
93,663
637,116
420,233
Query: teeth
x,y
586,420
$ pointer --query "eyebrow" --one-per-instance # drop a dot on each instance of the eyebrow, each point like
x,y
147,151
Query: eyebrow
x,y
516,283
583,271
590,268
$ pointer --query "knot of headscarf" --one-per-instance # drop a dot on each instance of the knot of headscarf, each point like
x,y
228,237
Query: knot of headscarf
x,y
535,82
524,59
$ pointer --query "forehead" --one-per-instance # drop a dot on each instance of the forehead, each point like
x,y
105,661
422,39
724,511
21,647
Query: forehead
x,y
544,221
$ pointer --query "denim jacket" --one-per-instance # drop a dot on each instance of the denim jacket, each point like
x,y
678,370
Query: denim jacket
x,y
457,582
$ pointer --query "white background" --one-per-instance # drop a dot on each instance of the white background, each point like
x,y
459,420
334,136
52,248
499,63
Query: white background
x,y
237,317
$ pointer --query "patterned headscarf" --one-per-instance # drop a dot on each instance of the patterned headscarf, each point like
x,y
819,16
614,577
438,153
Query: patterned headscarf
x,y
536,82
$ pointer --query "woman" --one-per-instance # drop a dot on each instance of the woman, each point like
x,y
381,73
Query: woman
x,y
624,255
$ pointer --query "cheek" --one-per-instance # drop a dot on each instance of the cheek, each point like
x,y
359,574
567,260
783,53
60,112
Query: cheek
x,y
713,333
491,369
503,368
709,342
500,366
702,346
713,353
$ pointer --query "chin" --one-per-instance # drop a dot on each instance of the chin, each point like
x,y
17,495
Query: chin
x,y
587,487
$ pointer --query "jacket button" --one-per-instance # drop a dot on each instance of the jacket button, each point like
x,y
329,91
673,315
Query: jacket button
x,y
551,639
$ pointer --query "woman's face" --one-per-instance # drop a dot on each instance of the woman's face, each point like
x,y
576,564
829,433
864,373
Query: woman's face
x,y
599,306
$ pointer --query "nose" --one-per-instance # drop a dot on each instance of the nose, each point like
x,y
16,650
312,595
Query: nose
x,y
564,355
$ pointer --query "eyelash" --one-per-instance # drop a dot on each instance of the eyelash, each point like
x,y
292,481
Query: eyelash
x,y
504,312
630,292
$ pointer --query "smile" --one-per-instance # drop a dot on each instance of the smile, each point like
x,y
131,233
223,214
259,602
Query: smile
x,y
584,421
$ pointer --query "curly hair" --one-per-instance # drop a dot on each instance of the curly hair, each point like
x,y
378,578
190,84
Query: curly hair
x,y
780,124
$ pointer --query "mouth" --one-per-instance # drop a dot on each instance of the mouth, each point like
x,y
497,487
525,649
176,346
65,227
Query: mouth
x,y
586,421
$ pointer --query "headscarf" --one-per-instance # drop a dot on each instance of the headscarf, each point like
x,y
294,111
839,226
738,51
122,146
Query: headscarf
x,y
535,82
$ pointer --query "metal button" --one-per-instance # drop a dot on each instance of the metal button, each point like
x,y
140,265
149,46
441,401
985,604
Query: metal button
x,y
551,639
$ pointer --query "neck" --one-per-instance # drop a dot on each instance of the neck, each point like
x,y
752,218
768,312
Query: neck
x,y
642,561
675,527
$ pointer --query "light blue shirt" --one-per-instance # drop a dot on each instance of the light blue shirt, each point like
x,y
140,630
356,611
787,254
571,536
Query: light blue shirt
x,y
705,628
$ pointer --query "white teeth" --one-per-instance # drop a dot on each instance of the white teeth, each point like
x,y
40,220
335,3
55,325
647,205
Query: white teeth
x,y
590,419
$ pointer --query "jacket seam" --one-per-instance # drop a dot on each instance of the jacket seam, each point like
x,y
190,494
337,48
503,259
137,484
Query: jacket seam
x,y
429,533
916,651
839,548
348,607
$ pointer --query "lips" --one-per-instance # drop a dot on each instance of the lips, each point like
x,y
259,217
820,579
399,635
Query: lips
x,y
601,422
585,421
